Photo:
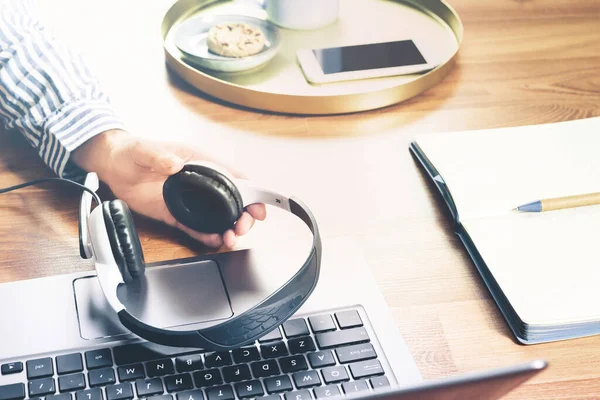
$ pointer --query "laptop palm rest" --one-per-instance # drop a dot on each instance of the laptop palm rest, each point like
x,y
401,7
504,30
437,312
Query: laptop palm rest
x,y
168,297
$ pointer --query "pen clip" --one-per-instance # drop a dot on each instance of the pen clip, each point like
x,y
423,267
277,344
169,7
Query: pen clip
x,y
85,209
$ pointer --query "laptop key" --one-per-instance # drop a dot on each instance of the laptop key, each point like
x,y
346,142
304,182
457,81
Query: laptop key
x,y
209,377
326,391
353,387
306,379
98,358
11,368
41,387
277,384
224,392
365,369
341,338
273,350
62,396
101,377
141,352
271,397
301,345
72,382
295,327
148,387
275,334
131,372
69,363
39,368
348,319
246,354
379,382
16,391
90,394
321,359
160,368
236,373
161,397
357,352
263,369
335,374
176,383
191,395
219,359
321,323
189,363
293,364
298,395
249,389
122,391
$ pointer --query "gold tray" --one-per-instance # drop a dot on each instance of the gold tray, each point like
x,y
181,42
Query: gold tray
x,y
280,85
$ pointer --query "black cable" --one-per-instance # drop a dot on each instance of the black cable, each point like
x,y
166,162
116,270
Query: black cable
x,y
44,180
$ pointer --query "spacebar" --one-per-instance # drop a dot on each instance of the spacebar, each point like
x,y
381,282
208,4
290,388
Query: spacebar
x,y
340,338
139,352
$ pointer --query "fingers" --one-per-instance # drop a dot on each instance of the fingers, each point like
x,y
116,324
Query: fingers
x,y
210,239
153,157
257,211
229,238
243,224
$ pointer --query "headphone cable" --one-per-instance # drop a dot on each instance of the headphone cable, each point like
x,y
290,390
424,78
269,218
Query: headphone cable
x,y
44,180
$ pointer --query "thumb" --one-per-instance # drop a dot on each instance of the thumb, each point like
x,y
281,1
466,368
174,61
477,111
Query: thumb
x,y
162,161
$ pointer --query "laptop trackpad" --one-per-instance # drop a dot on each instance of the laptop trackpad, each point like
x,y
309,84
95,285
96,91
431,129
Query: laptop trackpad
x,y
168,296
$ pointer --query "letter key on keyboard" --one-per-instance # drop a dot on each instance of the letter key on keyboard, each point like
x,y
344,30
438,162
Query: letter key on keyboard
x,y
131,372
122,391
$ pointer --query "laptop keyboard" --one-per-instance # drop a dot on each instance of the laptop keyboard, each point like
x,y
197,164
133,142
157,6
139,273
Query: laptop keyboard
x,y
310,358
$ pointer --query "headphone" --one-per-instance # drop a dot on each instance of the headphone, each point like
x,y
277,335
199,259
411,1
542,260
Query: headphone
x,y
206,200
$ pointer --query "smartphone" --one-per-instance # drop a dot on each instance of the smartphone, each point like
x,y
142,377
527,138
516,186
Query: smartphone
x,y
363,61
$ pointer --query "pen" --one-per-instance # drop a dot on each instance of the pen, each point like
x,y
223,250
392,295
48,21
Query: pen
x,y
559,203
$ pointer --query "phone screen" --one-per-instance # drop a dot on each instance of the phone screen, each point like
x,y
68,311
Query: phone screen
x,y
369,56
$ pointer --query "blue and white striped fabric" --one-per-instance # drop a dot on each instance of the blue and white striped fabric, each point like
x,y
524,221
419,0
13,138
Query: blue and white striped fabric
x,y
46,91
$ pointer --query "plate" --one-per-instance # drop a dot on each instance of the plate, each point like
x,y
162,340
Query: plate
x,y
191,39
280,85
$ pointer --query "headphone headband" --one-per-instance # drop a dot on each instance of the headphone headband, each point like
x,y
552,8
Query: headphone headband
x,y
234,332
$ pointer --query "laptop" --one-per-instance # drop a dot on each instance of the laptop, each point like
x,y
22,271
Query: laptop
x,y
60,340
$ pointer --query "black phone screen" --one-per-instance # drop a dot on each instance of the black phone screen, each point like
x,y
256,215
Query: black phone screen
x,y
369,56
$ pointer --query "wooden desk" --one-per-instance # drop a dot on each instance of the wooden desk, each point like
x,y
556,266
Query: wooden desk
x,y
522,62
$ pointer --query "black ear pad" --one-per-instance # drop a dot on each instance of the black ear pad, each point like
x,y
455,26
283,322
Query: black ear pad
x,y
124,240
203,199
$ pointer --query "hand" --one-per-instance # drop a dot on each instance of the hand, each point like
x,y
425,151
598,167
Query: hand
x,y
135,170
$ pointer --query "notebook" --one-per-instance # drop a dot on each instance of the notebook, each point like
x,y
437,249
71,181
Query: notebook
x,y
542,269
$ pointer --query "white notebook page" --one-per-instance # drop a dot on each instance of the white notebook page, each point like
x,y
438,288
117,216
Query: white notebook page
x,y
494,171
547,264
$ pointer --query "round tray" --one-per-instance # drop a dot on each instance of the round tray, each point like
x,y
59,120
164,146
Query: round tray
x,y
280,85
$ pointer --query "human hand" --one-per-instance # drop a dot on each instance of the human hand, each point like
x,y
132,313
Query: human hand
x,y
136,169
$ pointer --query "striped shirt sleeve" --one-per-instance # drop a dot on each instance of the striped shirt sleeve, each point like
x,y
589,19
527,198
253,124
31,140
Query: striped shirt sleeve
x,y
46,91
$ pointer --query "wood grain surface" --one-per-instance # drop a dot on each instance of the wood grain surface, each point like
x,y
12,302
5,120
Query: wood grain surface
x,y
522,62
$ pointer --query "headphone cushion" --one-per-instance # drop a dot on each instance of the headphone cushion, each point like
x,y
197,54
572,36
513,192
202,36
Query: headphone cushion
x,y
124,240
203,199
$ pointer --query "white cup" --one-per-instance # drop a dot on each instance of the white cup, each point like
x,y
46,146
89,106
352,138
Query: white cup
x,y
302,14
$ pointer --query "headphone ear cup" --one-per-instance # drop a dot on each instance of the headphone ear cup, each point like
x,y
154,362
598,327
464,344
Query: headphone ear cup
x,y
124,240
203,199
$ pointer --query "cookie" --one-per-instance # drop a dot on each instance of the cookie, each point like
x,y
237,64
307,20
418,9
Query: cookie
x,y
235,39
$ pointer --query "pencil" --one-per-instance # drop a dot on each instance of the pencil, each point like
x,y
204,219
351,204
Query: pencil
x,y
559,203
